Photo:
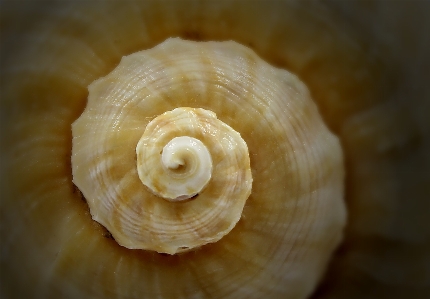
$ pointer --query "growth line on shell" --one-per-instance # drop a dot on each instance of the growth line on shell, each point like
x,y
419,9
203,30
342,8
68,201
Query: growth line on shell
x,y
188,164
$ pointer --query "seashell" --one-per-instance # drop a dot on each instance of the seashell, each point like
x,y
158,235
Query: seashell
x,y
130,212
367,77
214,74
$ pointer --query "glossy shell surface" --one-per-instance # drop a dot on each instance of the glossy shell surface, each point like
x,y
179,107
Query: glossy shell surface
x,y
365,65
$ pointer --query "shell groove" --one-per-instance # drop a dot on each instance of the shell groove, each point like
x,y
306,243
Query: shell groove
x,y
371,93
135,217
296,161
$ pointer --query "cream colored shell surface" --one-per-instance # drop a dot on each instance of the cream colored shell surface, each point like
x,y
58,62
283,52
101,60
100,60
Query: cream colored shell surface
x,y
181,168
369,91
109,175
296,162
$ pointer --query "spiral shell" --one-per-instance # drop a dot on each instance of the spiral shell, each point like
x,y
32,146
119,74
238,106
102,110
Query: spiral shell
x,y
135,217
297,167
372,94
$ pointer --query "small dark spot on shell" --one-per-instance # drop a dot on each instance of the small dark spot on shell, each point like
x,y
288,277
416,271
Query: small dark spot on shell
x,y
108,235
